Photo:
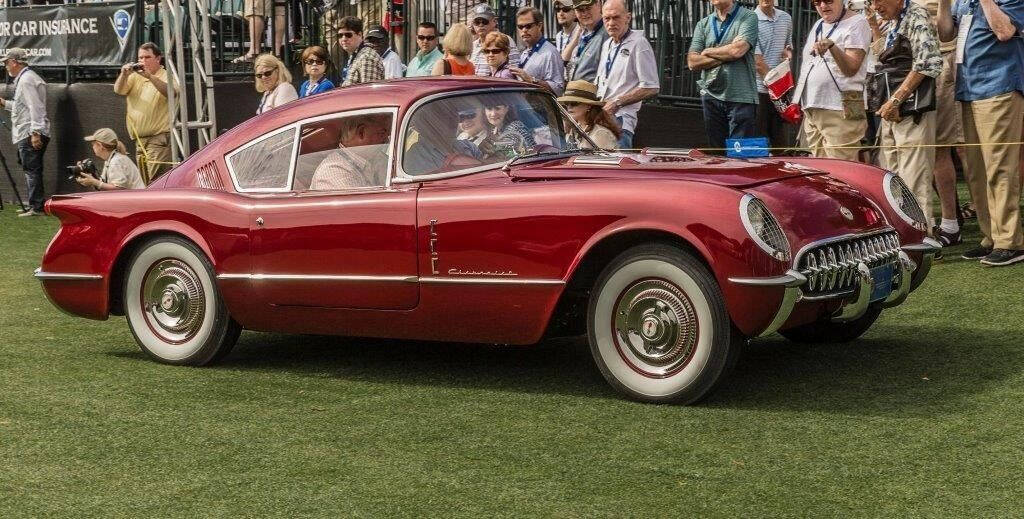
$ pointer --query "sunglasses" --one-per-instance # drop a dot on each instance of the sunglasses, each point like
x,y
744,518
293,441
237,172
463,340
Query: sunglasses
x,y
346,34
822,2
480,22
564,9
526,26
570,105
492,51
467,115
315,62
423,37
265,74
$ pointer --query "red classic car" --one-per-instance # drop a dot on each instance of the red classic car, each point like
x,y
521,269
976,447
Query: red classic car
x,y
465,210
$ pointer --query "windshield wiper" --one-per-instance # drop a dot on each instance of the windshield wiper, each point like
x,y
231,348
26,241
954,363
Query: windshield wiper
x,y
507,167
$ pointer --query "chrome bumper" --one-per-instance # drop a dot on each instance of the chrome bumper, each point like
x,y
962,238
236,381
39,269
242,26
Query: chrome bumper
x,y
928,247
791,281
909,276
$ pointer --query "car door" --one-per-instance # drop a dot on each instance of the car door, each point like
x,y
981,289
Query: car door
x,y
319,239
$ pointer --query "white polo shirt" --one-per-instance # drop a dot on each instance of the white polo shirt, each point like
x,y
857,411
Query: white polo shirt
x,y
623,68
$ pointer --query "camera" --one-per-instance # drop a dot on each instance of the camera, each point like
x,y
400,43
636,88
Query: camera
x,y
137,67
85,167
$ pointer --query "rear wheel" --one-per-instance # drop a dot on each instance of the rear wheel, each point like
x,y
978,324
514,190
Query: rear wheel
x,y
826,331
658,327
172,304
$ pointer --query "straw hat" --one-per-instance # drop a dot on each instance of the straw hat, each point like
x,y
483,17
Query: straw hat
x,y
581,91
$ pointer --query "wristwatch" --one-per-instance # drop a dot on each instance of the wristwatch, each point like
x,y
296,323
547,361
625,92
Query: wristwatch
x,y
895,100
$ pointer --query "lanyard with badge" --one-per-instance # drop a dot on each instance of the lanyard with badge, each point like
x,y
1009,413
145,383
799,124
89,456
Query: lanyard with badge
x,y
891,38
533,50
720,33
311,86
585,40
965,28
612,56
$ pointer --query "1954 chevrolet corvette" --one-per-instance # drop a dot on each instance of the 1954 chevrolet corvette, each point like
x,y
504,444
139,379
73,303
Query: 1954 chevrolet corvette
x,y
461,210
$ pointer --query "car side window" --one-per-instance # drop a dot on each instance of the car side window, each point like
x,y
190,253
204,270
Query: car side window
x,y
264,165
344,153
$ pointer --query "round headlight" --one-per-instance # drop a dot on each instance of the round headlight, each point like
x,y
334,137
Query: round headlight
x,y
763,228
903,201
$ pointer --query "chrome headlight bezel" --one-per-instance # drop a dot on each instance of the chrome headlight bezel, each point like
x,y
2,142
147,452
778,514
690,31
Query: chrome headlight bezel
x,y
912,215
770,230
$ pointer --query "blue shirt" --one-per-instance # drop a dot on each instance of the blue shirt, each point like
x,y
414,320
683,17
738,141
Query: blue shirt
x,y
324,85
990,67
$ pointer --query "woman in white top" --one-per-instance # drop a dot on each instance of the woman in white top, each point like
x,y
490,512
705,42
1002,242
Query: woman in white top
x,y
274,81
119,172
580,100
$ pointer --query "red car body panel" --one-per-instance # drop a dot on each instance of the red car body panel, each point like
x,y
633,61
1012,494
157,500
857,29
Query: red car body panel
x,y
404,256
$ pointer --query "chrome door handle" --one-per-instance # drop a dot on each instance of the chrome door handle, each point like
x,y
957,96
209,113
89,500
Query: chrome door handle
x,y
259,221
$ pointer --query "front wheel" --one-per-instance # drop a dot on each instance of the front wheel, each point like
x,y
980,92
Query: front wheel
x,y
172,304
658,328
826,331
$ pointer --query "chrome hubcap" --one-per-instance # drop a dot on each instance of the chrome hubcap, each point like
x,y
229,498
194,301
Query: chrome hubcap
x,y
173,300
655,327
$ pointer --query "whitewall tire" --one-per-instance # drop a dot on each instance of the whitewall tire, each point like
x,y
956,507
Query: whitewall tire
x,y
172,304
658,327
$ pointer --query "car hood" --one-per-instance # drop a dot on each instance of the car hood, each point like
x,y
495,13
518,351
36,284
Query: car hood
x,y
689,166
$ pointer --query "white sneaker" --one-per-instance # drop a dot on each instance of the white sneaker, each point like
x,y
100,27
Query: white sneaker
x,y
30,212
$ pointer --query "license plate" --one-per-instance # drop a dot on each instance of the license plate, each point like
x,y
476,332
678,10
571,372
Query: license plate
x,y
882,277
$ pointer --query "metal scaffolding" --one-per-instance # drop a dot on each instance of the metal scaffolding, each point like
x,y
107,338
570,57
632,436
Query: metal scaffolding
x,y
180,17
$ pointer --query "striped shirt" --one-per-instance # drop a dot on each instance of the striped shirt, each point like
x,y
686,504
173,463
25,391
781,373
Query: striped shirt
x,y
773,36
347,168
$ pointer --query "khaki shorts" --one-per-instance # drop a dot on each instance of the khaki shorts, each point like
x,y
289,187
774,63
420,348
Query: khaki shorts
x,y
257,8
949,128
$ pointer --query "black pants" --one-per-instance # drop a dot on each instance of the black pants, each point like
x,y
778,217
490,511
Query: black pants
x,y
31,161
727,120
770,125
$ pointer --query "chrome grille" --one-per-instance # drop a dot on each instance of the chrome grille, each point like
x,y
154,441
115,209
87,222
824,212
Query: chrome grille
x,y
831,268
208,177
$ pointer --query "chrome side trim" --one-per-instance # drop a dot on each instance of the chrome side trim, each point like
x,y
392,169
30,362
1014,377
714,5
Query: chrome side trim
x,y
491,281
64,276
791,278
858,307
317,277
392,279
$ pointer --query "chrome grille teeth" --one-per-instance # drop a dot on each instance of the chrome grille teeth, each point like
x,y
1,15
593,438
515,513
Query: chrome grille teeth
x,y
832,267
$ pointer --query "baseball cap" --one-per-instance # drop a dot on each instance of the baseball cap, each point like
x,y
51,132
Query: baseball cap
x,y
17,54
482,11
566,3
376,32
104,135
577,4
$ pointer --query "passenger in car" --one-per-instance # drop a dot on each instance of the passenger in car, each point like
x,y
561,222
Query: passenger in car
x,y
508,135
361,159
472,123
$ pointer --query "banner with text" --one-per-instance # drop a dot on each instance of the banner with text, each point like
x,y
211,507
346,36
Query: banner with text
x,y
94,34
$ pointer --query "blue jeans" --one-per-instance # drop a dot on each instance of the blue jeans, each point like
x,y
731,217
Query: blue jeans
x,y
31,161
728,120
626,139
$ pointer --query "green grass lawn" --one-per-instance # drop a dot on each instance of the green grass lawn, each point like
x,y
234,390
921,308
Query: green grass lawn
x,y
924,416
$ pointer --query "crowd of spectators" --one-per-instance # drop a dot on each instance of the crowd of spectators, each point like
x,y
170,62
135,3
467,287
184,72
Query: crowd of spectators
x,y
886,75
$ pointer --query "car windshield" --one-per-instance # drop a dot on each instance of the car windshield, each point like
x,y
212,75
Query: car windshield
x,y
471,130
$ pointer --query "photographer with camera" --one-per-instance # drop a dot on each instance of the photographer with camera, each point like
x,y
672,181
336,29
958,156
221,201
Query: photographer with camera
x,y
119,172
144,84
